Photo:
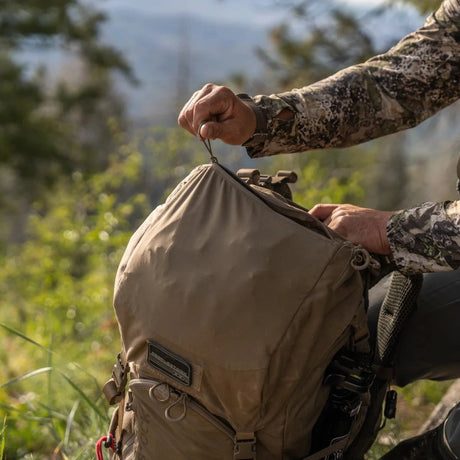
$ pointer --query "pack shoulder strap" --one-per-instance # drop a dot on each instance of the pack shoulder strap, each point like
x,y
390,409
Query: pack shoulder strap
x,y
398,305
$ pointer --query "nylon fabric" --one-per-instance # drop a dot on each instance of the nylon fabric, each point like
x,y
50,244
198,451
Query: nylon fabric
x,y
256,301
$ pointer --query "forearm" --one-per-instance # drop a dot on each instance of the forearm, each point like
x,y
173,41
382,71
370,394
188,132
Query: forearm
x,y
388,93
426,238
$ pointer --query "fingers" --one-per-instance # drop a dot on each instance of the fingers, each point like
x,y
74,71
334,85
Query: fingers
x,y
323,211
226,116
363,226
185,116
210,102
211,130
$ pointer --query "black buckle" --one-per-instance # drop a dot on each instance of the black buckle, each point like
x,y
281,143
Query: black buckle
x,y
119,374
351,373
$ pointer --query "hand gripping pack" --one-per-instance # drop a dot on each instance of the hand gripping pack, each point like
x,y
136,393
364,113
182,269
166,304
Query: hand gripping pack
x,y
232,304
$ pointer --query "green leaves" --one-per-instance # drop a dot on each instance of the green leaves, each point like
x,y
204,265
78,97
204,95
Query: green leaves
x,y
53,122
58,333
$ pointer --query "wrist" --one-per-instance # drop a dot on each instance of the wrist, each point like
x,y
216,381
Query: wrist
x,y
260,118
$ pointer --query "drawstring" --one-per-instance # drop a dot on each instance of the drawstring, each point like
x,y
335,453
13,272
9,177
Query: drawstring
x,y
108,442
207,142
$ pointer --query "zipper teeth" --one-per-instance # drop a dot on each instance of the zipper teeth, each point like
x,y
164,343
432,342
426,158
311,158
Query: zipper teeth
x,y
195,406
272,204
199,409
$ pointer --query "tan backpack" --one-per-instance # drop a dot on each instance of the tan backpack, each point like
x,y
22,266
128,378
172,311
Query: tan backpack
x,y
232,304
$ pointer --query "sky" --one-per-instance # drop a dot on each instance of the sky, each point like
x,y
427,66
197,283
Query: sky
x,y
209,23
257,12
263,14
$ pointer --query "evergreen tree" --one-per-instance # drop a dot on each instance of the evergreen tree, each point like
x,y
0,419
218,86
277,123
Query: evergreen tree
x,y
47,129
335,38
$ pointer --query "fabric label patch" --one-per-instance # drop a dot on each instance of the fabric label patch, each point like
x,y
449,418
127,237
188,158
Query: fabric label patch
x,y
169,363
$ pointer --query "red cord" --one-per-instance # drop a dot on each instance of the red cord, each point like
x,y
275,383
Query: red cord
x,y
106,441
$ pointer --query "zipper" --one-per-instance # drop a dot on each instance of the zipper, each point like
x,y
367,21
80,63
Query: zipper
x,y
200,410
272,202
186,400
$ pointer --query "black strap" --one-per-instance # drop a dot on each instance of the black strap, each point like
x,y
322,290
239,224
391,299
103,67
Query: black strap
x,y
335,448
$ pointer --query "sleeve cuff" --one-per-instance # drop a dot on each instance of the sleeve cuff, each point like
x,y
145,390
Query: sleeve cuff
x,y
425,239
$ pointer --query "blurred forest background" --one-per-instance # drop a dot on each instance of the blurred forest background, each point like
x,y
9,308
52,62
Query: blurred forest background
x,y
86,153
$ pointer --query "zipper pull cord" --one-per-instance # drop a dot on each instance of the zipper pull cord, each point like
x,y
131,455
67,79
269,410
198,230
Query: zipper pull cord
x,y
207,142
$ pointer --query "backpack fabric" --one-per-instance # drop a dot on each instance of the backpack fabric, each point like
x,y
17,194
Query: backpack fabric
x,y
232,303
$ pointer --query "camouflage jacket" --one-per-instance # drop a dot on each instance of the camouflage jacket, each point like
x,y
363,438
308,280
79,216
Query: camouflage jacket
x,y
388,93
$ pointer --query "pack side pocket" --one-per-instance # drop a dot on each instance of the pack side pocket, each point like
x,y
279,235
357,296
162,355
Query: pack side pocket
x,y
170,424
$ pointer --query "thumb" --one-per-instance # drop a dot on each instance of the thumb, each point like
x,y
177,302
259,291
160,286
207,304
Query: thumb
x,y
227,131
211,130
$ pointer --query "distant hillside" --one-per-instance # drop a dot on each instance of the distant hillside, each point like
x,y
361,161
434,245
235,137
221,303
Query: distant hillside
x,y
177,54
174,54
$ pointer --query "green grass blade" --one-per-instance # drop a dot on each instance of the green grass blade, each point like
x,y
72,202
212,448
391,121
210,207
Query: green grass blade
x,y
69,424
49,351
25,376
24,337
3,438
83,395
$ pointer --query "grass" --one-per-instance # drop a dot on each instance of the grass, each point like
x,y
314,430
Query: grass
x,y
415,404
54,411
57,410
3,439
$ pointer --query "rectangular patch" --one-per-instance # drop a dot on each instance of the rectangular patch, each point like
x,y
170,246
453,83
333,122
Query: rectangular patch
x,y
169,363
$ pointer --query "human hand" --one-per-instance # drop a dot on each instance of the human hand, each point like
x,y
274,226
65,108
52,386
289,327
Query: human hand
x,y
363,226
226,116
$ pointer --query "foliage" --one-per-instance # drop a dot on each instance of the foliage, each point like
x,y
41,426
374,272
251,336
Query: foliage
x,y
59,336
416,401
297,60
53,121
424,6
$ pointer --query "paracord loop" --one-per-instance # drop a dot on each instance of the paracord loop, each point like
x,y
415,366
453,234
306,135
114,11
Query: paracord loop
x,y
169,417
361,259
157,395
207,142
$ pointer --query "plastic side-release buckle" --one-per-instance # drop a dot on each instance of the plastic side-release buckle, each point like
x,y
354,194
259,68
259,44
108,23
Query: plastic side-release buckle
x,y
114,388
245,446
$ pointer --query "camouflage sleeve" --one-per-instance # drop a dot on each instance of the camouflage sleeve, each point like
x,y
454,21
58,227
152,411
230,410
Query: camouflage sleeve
x,y
426,238
388,93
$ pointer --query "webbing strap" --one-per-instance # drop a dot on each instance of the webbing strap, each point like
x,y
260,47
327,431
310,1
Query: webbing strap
x,y
115,392
337,447
119,429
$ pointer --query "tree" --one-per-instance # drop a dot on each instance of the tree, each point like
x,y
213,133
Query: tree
x,y
424,6
334,39
56,321
296,60
47,129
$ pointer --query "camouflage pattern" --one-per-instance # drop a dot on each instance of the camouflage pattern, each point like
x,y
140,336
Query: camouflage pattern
x,y
388,93
426,238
